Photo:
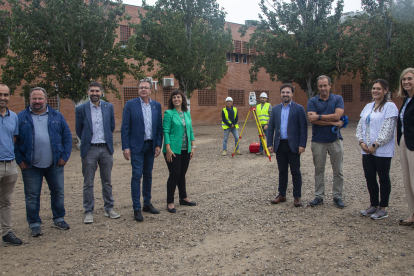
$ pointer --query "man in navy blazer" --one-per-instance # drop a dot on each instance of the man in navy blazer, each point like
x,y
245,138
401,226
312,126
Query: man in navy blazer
x,y
141,134
95,122
289,127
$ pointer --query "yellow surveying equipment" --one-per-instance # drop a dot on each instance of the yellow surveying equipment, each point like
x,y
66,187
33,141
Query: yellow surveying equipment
x,y
253,103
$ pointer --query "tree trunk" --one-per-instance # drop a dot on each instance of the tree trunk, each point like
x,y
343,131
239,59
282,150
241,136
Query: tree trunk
x,y
309,91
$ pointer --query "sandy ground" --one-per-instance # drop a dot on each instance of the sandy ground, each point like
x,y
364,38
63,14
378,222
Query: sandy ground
x,y
233,230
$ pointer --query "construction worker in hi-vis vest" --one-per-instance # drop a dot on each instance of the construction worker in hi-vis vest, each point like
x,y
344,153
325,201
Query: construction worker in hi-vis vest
x,y
263,110
229,120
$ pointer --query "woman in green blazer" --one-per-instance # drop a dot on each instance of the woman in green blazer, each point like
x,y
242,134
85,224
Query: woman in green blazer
x,y
179,147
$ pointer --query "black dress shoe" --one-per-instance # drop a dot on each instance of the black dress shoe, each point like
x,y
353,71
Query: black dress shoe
x,y
338,202
171,210
138,216
188,203
150,209
316,201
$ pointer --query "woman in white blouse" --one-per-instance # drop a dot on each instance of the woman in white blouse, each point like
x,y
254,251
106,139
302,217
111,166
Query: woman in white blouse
x,y
375,133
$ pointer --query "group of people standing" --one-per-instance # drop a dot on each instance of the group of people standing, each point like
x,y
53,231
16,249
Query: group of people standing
x,y
39,141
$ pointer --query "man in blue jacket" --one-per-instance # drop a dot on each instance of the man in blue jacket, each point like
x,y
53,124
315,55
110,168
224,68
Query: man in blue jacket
x,y
42,148
95,123
289,127
141,134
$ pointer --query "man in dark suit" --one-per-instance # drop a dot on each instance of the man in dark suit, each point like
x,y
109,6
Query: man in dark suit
x,y
95,122
141,134
288,120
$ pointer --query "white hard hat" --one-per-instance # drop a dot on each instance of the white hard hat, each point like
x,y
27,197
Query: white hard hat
x,y
229,99
263,95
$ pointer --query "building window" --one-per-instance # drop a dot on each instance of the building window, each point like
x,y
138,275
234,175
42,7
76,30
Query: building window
x,y
130,93
125,33
54,102
237,46
252,51
366,95
228,56
167,93
237,96
252,59
236,58
244,59
347,94
244,49
207,97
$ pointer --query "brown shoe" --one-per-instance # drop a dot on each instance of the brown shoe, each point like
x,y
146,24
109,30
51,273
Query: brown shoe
x,y
297,202
278,199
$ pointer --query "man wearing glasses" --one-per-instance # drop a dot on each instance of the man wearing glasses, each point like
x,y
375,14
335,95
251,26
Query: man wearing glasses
x,y
95,122
141,134
42,149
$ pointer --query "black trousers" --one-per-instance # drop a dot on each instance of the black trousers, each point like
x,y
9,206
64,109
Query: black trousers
x,y
374,165
177,168
286,157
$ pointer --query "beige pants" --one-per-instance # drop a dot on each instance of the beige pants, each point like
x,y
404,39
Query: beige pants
x,y
407,166
336,154
8,177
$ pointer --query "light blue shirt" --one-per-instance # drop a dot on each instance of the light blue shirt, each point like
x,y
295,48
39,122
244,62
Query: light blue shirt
x,y
9,127
146,111
43,153
284,121
98,135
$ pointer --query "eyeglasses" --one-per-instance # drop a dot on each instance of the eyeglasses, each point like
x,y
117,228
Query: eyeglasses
x,y
93,91
144,87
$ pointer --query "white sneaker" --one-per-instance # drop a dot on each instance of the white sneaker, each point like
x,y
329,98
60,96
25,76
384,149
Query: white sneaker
x,y
112,214
88,218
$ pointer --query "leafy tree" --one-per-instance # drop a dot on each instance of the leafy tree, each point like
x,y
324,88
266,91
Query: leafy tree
x,y
62,45
383,37
299,40
4,31
188,39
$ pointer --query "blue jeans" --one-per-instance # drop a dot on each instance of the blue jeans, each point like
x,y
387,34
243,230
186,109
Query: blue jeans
x,y
261,146
32,180
226,136
142,164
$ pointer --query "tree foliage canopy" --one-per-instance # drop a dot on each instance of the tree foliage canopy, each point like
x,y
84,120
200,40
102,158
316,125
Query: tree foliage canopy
x,y
188,39
62,45
383,39
300,41
4,31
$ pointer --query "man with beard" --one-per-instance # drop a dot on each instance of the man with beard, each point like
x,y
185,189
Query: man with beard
x,y
263,110
288,119
9,129
95,123
42,149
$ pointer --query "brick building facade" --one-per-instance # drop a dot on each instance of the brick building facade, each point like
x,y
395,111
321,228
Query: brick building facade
x,y
206,104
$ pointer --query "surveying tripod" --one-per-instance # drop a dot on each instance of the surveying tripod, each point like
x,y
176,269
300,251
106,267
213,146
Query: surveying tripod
x,y
252,103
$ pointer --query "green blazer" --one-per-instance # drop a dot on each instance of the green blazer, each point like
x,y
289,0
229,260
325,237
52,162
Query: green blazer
x,y
174,130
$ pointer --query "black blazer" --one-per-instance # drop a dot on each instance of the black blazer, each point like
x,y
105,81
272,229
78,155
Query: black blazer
x,y
408,125
297,127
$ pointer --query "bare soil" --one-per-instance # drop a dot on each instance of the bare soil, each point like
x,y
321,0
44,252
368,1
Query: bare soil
x,y
233,230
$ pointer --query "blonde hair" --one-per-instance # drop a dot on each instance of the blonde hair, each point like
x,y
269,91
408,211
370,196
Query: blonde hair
x,y
401,91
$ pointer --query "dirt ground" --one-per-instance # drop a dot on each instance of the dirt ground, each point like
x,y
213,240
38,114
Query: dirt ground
x,y
233,230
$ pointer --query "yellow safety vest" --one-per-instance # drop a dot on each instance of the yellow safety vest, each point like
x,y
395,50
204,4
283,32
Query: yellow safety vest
x,y
226,113
263,113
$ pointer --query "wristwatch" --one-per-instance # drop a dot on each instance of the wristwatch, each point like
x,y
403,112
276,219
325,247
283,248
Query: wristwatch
x,y
374,145
193,147
320,117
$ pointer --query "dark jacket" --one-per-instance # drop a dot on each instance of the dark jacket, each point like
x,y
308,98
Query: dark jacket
x,y
59,133
133,126
84,127
408,125
297,128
